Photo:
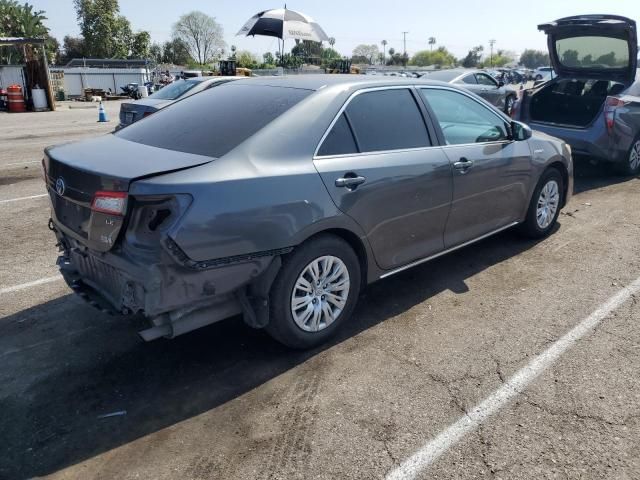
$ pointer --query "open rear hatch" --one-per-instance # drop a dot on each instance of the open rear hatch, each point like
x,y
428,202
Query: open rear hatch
x,y
593,47
88,183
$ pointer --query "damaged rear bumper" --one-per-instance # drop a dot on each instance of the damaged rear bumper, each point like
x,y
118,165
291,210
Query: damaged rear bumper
x,y
174,297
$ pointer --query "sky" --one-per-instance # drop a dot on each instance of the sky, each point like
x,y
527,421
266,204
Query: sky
x,y
458,25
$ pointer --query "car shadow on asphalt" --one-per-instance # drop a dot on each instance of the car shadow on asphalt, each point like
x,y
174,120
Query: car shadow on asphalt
x,y
588,176
165,382
161,383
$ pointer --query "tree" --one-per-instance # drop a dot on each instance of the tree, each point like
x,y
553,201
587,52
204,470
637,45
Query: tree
x,y
534,58
384,44
21,20
441,57
332,42
156,52
500,59
72,47
202,35
246,59
473,57
141,45
176,52
432,42
106,33
365,54
268,58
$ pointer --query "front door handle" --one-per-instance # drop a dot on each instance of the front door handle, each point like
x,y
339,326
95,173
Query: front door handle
x,y
350,181
463,165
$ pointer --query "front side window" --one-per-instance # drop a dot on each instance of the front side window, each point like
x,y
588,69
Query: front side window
x,y
387,120
462,119
485,80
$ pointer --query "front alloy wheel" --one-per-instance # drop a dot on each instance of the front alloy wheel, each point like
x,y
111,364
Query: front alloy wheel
x,y
548,202
544,206
320,293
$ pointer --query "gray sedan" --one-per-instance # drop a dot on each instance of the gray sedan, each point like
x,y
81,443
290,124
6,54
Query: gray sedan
x,y
131,112
482,84
279,199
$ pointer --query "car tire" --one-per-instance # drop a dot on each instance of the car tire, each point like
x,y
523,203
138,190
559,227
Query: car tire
x,y
509,103
303,319
630,166
538,77
544,207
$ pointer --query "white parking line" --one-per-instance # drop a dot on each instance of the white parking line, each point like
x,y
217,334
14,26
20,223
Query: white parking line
x,y
35,283
30,197
446,439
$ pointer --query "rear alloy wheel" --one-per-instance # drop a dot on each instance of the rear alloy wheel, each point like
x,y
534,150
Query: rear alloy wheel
x,y
508,104
632,164
544,207
315,292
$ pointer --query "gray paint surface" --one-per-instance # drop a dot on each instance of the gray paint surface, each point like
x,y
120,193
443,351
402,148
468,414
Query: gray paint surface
x,y
269,192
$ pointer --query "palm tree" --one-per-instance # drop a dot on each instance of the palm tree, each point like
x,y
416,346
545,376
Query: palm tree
x,y
332,41
432,42
384,51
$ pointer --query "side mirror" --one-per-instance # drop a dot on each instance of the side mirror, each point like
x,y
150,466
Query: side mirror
x,y
520,131
500,83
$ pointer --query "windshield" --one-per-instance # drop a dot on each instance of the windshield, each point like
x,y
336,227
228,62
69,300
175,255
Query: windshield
x,y
175,90
593,52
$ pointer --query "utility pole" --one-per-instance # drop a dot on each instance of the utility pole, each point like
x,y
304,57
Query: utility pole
x,y
404,55
492,42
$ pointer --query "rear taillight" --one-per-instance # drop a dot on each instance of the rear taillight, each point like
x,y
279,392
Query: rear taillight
x,y
610,106
113,203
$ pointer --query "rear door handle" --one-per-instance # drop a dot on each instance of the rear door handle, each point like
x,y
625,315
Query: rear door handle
x,y
463,165
350,182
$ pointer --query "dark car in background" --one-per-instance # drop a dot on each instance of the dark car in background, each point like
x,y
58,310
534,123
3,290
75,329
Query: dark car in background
x,y
131,112
279,198
481,83
594,101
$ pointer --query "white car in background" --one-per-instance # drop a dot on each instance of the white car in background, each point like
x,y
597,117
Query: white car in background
x,y
543,74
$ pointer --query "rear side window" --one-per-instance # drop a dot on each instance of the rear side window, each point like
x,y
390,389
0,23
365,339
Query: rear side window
x,y
215,121
470,79
340,139
387,120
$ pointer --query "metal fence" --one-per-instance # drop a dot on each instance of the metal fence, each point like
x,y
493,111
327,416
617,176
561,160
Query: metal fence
x,y
77,79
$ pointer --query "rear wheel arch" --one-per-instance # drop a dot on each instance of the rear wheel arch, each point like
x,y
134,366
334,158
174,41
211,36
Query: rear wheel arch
x,y
354,241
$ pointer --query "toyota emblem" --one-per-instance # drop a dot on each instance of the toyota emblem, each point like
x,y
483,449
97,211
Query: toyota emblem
x,y
60,186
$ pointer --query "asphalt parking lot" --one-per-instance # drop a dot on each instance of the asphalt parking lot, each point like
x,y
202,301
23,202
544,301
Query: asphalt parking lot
x,y
82,396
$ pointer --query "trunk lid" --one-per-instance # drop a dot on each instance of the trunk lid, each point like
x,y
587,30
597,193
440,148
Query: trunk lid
x,y
593,46
131,112
76,171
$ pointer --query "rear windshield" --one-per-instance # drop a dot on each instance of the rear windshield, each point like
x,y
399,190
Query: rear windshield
x,y
215,121
175,90
593,52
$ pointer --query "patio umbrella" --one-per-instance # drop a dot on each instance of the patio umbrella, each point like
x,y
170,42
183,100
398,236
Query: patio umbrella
x,y
283,24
